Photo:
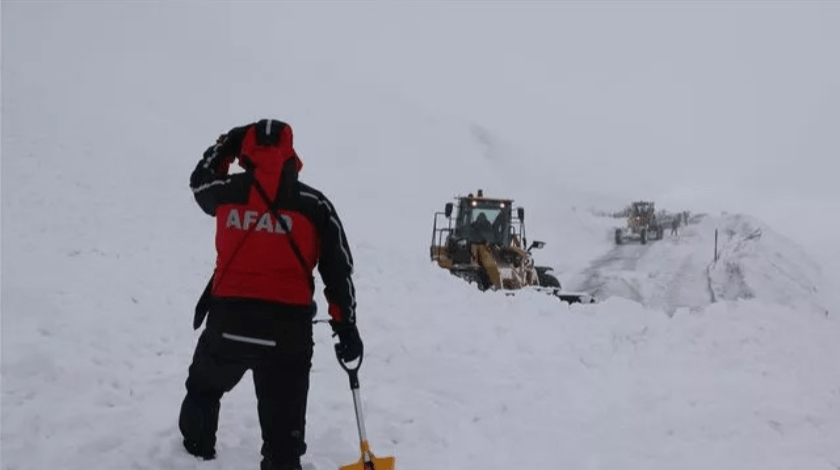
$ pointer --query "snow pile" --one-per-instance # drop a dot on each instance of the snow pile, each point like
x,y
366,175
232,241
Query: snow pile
x,y
754,261
665,274
679,271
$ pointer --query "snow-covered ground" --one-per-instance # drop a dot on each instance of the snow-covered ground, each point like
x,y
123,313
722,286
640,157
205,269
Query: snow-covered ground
x,y
684,363
681,270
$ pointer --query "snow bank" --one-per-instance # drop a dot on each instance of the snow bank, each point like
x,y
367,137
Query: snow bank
x,y
679,271
754,261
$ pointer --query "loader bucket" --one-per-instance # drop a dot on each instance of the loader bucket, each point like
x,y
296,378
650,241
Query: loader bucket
x,y
576,298
567,296
368,461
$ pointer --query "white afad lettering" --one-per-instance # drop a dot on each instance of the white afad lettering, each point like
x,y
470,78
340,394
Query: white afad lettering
x,y
250,218
233,220
266,222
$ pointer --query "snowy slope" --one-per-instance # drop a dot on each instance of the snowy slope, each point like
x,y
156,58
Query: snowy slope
x,y
756,262
680,271
104,253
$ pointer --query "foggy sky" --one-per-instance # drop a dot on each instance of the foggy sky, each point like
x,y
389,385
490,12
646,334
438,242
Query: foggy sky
x,y
657,98
717,105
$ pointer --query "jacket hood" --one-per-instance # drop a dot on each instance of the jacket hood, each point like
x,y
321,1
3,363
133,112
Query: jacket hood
x,y
268,145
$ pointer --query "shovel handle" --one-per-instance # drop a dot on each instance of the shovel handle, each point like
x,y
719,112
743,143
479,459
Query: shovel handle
x,y
352,371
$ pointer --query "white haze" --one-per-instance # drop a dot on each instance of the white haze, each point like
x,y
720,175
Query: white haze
x,y
397,107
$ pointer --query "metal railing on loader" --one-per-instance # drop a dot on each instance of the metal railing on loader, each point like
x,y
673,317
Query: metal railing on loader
x,y
439,236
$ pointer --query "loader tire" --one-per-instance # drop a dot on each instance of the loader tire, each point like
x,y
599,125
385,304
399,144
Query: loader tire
x,y
644,236
483,281
477,277
547,280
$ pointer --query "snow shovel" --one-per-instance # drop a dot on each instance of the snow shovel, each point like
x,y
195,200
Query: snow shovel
x,y
368,460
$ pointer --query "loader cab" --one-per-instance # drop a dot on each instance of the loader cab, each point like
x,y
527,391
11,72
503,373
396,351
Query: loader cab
x,y
642,209
482,220
474,220
641,214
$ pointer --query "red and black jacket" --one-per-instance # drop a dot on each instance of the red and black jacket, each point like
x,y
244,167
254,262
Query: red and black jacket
x,y
256,256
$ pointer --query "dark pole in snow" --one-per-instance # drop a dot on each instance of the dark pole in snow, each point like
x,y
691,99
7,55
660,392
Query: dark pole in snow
x,y
716,251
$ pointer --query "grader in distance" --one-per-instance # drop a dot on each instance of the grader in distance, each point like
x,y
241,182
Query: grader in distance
x,y
484,243
642,224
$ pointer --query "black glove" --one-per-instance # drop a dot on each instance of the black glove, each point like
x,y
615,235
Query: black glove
x,y
349,346
217,158
231,142
220,155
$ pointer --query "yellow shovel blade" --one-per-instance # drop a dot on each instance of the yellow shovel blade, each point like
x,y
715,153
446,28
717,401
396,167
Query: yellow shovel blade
x,y
375,463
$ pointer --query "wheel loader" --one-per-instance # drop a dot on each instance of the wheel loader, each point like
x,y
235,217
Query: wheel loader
x,y
484,243
642,224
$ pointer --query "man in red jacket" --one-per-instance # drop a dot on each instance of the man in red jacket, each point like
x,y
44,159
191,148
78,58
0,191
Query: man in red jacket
x,y
271,232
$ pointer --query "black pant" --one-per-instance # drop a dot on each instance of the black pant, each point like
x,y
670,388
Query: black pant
x,y
237,338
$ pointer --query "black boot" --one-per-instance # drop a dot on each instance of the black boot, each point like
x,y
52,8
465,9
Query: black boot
x,y
201,451
267,464
197,422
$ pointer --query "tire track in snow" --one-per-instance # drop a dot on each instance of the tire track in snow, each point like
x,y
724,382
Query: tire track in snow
x,y
688,288
606,276
666,274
